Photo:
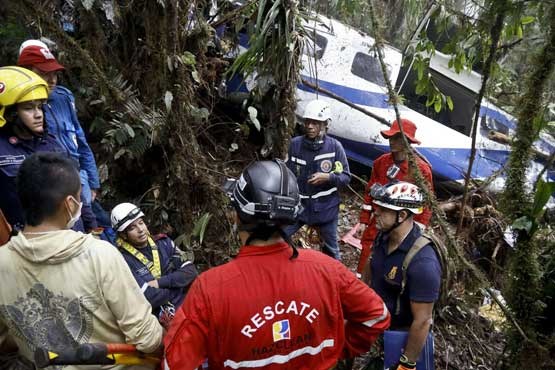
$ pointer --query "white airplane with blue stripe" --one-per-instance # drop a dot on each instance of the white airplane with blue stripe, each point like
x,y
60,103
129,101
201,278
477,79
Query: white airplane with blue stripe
x,y
341,60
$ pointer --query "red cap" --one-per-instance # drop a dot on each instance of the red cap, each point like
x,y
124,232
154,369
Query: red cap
x,y
409,128
40,58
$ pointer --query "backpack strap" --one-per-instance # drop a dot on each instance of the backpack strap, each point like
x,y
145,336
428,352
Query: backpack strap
x,y
420,243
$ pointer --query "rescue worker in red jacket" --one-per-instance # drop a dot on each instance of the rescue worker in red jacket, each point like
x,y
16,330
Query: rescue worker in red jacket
x,y
399,157
273,307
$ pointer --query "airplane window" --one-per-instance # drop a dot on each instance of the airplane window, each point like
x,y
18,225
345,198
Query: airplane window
x,y
368,67
315,46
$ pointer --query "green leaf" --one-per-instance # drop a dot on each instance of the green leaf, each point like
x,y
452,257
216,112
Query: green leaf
x,y
519,32
188,59
200,226
252,116
522,223
437,105
509,32
195,76
130,130
449,102
168,98
527,19
420,70
420,87
543,193
119,153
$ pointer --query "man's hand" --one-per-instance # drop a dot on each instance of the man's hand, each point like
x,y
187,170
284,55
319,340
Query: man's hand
x,y
153,283
93,195
319,178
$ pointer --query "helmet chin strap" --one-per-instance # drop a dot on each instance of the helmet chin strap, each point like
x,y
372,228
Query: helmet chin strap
x,y
397,223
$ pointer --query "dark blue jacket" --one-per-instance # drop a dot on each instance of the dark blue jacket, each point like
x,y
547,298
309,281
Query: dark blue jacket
x,y
61,117
177,274
423,276
320,202
13,152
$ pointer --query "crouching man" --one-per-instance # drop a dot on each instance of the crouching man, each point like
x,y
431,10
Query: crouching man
x,y
160,268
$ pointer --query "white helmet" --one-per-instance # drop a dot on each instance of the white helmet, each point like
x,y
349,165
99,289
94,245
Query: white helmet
x,y
398,196
124,214
28,43
317,110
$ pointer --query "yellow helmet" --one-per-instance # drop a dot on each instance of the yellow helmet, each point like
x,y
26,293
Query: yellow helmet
x,y
18,85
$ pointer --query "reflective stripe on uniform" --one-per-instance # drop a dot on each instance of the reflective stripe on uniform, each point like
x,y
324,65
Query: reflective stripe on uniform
x,y
281,359
325,155
319,194
298,160
373,322
324,193
366,207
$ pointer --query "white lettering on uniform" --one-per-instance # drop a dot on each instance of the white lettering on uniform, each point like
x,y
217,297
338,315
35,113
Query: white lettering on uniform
x,y
278,311
247,330
257,320
305,305
268,313
312,315
292,308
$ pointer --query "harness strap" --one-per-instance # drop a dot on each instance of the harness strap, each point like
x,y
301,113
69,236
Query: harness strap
x,y
420,243
153,266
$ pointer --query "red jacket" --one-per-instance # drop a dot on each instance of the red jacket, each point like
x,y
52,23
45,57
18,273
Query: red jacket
x,y
379,171
263,310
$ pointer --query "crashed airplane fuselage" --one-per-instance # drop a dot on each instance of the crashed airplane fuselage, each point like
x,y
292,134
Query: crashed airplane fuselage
x,y
342,61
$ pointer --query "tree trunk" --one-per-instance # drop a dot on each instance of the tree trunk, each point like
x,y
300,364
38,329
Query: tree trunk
x,y
524,293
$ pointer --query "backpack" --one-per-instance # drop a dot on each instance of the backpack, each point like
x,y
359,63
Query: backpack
x,y
441,252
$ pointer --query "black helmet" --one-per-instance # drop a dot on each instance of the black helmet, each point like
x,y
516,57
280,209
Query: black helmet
x,y
266,193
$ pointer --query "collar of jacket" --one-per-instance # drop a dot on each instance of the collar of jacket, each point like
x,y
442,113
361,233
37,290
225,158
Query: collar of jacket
x,y
315,144
256,250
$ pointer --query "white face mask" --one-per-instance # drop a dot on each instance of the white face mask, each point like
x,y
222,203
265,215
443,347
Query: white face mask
x,y
73,218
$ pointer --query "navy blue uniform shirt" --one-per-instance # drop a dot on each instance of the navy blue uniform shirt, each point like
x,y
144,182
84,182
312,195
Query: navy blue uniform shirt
x,y
320,202
423,276
177,274
13,152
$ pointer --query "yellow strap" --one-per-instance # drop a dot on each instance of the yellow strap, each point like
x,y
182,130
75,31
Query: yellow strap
x,y
153,266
